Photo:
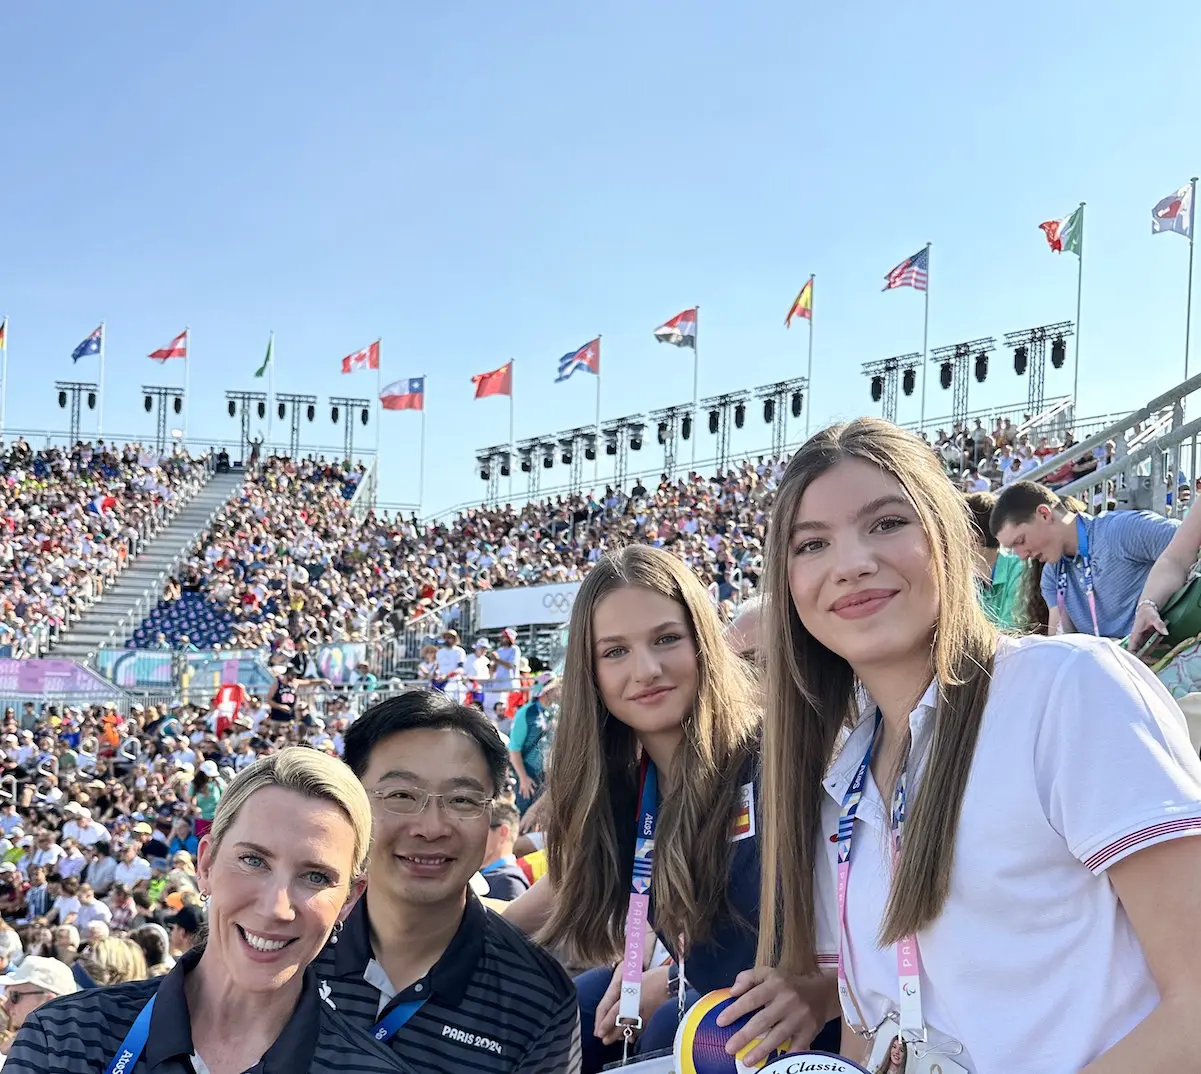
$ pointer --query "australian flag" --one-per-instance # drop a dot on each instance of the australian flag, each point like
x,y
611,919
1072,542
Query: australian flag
x,y
586,358
92,345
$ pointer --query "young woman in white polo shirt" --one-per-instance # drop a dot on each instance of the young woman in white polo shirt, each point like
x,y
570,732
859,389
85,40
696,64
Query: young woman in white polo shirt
x,y
994,859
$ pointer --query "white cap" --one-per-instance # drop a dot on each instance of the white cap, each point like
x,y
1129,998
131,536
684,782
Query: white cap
x,y
482,643
209,768
48,974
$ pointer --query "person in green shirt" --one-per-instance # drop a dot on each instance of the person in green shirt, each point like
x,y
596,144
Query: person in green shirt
x,y
998,572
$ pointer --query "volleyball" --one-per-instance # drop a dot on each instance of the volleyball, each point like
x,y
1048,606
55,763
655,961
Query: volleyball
x,y
700,1046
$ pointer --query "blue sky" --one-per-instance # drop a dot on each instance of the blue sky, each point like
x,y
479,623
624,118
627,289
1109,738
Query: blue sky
x,y
474,182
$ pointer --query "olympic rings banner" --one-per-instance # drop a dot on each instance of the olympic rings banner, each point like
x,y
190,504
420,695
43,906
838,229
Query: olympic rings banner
x,y
525,605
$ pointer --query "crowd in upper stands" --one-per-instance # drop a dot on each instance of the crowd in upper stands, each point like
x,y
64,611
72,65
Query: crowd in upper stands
x,y
72,519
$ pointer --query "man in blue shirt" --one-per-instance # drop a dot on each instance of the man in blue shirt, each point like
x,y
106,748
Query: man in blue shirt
x,y
1118,549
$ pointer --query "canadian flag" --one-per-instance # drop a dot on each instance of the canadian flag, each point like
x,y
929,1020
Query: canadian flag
x,y
177,348
367,358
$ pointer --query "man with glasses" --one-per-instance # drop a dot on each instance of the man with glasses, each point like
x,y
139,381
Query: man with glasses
x,y
421,963
36,981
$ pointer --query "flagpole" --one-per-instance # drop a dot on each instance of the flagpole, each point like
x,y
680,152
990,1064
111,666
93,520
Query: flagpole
x,y
270,389
421,454
925,343
1188,309
4,374
696,380
379,387
100,394
596,463
187,368
1079,297
512,370
809,368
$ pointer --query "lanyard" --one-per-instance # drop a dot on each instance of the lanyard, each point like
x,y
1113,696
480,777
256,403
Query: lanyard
x,y
640,897
396,1019
1061,579
909,967
134,1043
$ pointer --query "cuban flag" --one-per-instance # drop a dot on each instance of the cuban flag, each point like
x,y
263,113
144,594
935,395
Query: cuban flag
x,y
586,358
101,504
407,394
94,344
1174,213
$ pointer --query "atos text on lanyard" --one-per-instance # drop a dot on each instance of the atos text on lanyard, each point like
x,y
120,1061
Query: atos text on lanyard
x,y
1086,567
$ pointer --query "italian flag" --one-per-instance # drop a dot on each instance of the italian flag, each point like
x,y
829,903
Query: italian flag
x,y
1065,235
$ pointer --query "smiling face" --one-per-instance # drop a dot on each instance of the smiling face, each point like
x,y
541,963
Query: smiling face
x,y
280,880
645,660
427,858
860,571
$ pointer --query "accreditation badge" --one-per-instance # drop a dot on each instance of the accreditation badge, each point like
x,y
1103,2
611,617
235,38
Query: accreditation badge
x,y
892,1054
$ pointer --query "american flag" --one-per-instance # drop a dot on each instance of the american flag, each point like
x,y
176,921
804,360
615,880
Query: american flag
x,y
912,272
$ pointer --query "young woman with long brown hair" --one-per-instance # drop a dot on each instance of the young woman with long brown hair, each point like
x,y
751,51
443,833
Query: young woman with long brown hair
x,y
993,858
659,719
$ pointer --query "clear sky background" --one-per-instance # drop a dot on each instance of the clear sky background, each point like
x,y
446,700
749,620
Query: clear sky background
x,y
474,182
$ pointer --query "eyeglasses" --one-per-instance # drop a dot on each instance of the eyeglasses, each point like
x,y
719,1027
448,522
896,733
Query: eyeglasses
x,y
15,995
409,801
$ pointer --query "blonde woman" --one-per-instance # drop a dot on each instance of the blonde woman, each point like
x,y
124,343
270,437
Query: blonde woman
x,y
113,960
997,860
282,866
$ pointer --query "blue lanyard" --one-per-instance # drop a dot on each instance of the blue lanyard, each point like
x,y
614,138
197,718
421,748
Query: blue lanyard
x,y
644,843
500,863
1086,565
854,795
394,1021
134,1043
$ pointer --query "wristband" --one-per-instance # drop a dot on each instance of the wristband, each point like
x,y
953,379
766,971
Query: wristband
x,y
1147,602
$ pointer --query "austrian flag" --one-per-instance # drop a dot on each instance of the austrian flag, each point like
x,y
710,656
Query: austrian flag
x,y
367,358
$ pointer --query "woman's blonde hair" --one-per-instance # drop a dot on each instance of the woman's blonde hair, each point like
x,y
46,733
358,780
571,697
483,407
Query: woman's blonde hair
x,y
115,960
307,772
594,775
811,698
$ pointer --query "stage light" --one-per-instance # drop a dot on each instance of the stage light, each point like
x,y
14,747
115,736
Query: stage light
x,y
333,414
232,408
590,449
310,412
364,414
262,408
548,460
946,374
610,443
739,415
714,421
981,366
662,432
686,427
909,381
1020,357
769,410
485,473
281,410
877,388
566,456
527,464
148,403
62,400
504,466
798,401
1059,352
636,438
178,406
91,400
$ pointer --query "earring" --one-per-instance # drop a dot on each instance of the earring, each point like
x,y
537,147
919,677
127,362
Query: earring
x,y
338,927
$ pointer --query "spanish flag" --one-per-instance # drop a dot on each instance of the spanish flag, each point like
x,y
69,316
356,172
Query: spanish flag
x,y
4,334
803,306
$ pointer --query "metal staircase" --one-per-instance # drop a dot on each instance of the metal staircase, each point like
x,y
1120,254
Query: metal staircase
x,y
138,588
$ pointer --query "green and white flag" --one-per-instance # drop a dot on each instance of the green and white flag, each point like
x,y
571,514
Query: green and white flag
x,y
1063,236
270,354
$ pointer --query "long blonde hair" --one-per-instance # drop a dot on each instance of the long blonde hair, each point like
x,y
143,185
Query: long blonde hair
x,y
594,775
811,698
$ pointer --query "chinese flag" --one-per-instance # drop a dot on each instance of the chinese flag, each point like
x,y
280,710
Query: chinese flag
x,y
498,382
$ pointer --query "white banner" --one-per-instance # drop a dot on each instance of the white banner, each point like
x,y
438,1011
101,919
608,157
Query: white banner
x,y
525,605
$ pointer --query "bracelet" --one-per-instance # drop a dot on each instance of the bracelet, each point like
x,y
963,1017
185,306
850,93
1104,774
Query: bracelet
x,y
1147,602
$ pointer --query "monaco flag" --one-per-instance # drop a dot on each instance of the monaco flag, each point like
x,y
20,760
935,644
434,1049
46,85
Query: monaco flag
x,y
367,358
680,330
177,348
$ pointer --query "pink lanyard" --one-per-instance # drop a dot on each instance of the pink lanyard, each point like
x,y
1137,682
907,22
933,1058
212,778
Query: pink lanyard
x,y
909,966
1061,579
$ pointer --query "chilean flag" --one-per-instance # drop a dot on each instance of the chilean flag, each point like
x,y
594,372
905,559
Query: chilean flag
x,y
101,504
177,348
407,394
680,330
367,358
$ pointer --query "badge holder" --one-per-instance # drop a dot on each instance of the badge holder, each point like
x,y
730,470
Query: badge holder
x,y
916,1056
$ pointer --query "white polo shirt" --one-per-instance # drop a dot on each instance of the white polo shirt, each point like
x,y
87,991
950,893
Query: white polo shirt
x,y
1083,759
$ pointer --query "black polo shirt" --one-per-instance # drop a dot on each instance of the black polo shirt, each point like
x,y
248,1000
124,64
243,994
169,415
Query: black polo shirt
x,y
81,1034
495,1001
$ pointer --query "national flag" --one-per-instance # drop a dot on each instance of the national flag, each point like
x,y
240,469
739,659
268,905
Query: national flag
x,y
4,334
586,358
94,344
101,504
498,382
1063,236
367,358
912,272
177,348
1174,213
407,394
679,331
803,306
270,354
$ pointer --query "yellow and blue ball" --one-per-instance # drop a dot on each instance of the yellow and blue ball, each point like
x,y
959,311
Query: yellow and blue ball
x,y
700,1046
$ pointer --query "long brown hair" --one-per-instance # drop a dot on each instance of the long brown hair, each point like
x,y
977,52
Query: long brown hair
x,y
594,776
811,698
